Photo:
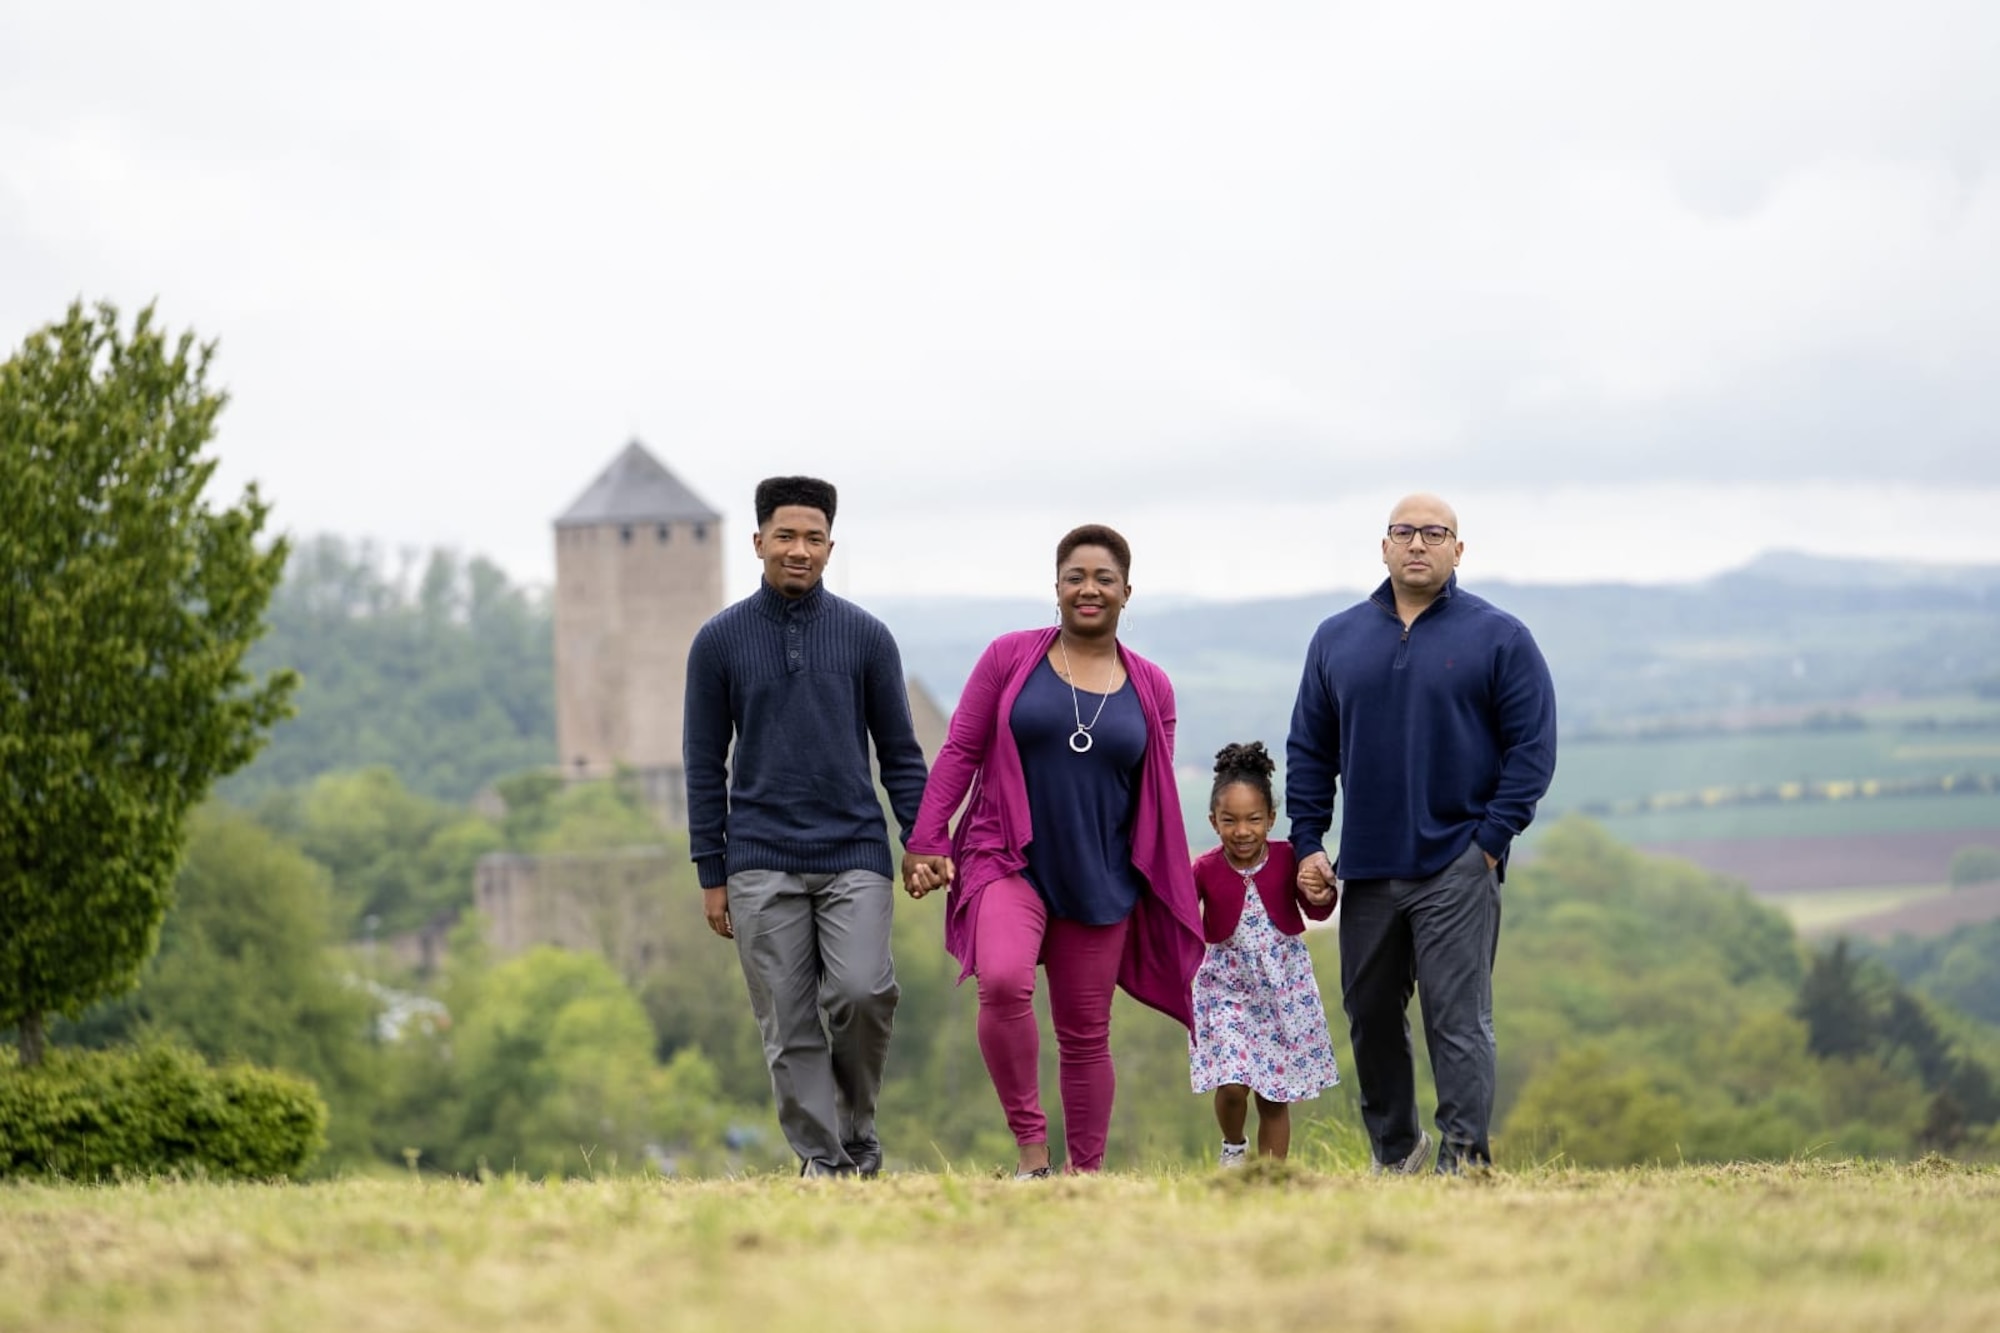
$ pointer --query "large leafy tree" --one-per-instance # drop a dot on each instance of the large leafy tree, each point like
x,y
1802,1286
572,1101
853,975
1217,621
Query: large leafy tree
x,y
127,603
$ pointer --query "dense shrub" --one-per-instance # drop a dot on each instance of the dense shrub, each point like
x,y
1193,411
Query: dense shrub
x,y
92,1115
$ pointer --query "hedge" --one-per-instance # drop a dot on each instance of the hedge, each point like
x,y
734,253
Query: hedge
x,y
98,1115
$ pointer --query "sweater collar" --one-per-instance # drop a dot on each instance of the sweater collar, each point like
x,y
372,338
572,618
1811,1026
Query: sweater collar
x,y
1385,596
774,605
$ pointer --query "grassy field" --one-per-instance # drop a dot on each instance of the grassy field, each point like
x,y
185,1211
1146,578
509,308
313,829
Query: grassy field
x,y
1820,1245
1824,910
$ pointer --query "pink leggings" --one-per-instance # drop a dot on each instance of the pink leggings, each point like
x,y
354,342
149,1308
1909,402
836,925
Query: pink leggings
x,y
1015,933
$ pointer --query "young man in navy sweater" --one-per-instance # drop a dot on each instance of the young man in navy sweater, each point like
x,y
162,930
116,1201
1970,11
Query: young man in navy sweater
x,y
785,689
1437,710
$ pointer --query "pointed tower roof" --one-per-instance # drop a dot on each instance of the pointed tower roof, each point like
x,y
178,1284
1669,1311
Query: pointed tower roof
x,y
637,488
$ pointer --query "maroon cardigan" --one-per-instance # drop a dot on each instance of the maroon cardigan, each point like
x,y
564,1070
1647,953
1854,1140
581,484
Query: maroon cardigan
x,y
1220,886
980,767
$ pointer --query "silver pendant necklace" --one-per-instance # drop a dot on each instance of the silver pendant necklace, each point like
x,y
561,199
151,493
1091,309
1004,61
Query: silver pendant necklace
x,y
1079,740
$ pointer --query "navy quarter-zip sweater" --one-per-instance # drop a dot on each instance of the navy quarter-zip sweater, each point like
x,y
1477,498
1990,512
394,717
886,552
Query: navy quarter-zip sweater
x,y
1445,734
800,685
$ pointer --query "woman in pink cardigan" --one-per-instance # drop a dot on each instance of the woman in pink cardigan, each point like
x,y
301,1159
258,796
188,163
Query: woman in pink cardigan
x,y
1071,853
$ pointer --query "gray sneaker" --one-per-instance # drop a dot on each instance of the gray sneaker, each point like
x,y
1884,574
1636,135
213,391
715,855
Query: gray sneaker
x,y
1410,1165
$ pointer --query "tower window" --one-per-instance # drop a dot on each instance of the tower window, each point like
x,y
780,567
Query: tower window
x,y
625,534
664,532
701,532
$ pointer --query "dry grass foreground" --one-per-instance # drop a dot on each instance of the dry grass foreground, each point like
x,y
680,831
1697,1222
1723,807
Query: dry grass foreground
x,y
1808,1245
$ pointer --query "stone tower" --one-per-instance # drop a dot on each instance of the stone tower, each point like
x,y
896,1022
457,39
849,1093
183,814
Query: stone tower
x,y
638,570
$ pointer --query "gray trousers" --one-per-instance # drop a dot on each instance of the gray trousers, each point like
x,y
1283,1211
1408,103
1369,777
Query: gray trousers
x,y
1438,937
815,953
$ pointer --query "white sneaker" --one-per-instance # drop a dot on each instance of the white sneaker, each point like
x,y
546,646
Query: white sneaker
x,y
1235,1154
1410,1165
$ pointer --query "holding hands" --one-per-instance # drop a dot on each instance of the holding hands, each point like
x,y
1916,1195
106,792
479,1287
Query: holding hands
x,y
1317,882
921,874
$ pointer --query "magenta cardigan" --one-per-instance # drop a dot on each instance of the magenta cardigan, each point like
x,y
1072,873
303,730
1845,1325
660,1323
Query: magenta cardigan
x,y
1220,886
1163,948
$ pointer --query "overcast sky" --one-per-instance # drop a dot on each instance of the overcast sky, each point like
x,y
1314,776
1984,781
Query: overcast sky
x,y
1643,289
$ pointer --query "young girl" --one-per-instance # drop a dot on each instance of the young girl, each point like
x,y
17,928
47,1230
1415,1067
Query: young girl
x,y
1259,1026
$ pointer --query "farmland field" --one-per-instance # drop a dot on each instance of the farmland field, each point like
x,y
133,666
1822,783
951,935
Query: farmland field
x,y
1822,1245
1908,739
1972,815
1694,786
1826,911
1843,861
1929,914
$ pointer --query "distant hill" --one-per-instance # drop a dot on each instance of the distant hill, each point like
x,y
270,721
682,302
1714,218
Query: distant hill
x,y
1788,631
1802,570
439,668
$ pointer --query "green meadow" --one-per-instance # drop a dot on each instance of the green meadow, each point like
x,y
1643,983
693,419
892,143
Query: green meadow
x,y
1812,1244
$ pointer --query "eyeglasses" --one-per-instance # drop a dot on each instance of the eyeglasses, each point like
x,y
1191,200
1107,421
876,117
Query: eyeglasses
x,y
1434,534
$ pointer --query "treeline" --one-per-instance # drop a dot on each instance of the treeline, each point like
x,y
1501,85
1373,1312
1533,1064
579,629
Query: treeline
x,y
1651,1011
429,664
265,958
1960,969
1646,1011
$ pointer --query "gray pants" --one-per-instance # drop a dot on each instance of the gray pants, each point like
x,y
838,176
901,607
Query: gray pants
x,y
1438,937
815,952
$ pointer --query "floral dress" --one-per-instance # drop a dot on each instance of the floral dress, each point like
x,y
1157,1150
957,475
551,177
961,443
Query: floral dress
x,y
1257,1013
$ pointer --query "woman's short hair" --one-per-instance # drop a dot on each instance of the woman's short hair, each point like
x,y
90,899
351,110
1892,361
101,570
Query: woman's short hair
x,y
1096,534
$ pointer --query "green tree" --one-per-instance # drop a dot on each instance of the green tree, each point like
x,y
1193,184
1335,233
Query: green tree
x,y
1598,1111
394,855
546,814
127,604
1962,968
247,970
1836,1006
555,1062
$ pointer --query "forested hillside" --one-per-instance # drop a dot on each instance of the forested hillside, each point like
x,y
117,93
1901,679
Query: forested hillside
x,y
1961,969
1646,1011
430,664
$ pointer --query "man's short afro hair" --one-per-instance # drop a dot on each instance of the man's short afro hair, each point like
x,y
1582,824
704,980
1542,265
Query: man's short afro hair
x,y
774,493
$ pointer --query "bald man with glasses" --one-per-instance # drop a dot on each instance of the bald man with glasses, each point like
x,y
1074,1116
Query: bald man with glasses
x,y
1436,710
